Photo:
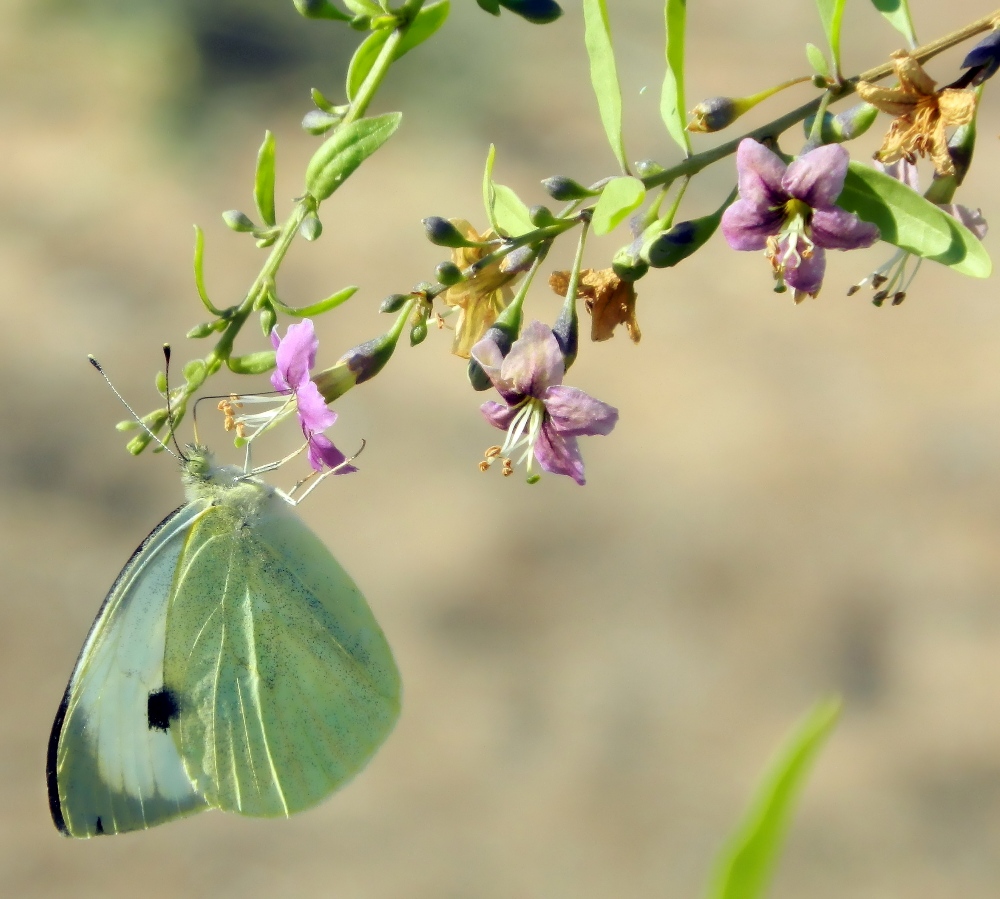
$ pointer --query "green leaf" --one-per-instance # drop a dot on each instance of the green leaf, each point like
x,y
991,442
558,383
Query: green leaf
x,y
252,363
619,197
199,270
425,23
341,153
744,866
831,12
817,60
511,212
604,75
489,192
342,296
263,184
912,223
898,14
364,7
672,108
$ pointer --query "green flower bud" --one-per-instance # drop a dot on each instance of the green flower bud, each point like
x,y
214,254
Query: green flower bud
x,y
319,9
647,168
268,319
566,189
541,216
846,125
318,121
394,302
628,262
418,332
449,274
237,221
252,363
311,228
714,114
202,330
443,233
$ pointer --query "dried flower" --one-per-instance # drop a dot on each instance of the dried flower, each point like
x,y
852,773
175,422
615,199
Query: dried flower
x,y
922,114
610,300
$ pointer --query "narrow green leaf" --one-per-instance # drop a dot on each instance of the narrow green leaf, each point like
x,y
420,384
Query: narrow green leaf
x,y
817,60
604,74
511,212
199,270
619,197
898,14
263,184
672,107
831,12
489,192
425,23
744,866
364,7
342,152
912,223
342,296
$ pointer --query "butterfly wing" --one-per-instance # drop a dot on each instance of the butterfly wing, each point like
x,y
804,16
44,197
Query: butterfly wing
x,y
112,764
285,681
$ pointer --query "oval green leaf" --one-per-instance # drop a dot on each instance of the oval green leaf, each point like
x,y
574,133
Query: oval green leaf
x,y
912,223
341,153
511,212
817,60
263,185
897,12
831,12
619,197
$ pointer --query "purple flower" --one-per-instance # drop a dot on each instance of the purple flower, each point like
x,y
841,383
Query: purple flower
x,y
538,412
295,355
790,211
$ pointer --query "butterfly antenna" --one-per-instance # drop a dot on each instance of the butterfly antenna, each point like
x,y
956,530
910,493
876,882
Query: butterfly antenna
x,y
170,412
132,411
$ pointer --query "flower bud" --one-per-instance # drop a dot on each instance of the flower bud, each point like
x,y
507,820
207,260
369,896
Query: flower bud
x,y
566,189
319,9
985,57
449,274
628,262
714,114
237,221
669,247
539,12
202,330
846,125
311,228
518,261
418,333
566,331
268,319
541,216
394,302
318,121
252,363
443,233
647,168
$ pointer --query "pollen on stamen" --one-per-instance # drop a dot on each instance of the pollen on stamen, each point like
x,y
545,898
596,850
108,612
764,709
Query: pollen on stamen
x,y
508,468
228,408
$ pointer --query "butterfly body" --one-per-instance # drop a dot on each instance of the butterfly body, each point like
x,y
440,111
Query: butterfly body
x,y
233,665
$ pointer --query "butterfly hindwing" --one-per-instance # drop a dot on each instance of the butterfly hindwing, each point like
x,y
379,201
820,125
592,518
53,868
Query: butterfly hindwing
x,y
113,765
285,682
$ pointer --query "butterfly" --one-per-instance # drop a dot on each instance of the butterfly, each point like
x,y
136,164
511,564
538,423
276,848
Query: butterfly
x,y
233,665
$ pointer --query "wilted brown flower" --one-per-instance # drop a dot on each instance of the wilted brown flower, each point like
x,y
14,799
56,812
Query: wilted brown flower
x,y
922,114
609,300
480,299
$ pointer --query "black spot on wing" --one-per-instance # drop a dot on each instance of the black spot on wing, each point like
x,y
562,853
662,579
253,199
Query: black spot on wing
x,y
161,708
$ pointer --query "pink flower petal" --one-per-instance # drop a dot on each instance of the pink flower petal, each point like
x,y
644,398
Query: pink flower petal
x,y
557,454
577,414
760,174
322,453
971,218
314,414
836,229
296,353
499,415
747,226
817,178
534,361
807,276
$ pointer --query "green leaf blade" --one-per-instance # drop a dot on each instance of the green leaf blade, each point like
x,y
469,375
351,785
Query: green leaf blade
x,y
911,222
511,212
744,867
263,185
831,13
341,153
619,197
604,74
672,106
897,13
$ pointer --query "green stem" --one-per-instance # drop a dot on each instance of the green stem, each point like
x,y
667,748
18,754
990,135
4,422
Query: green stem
x,y
694,164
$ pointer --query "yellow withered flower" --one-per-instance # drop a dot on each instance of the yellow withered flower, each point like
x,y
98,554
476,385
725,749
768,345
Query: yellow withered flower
x,y
609,299
922,114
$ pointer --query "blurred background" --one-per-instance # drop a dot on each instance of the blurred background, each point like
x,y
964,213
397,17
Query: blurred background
x,y
797,500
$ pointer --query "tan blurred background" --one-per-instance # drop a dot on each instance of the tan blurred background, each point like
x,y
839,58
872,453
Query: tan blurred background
x,y
796,500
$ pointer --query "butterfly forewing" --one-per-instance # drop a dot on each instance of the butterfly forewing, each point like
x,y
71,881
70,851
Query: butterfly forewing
x,y
109,769
285,683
